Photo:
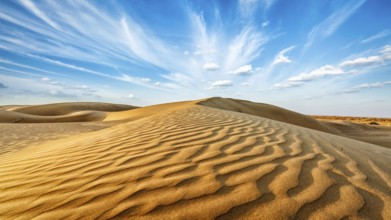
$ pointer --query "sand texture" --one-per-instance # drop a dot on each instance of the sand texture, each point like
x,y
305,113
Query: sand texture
x,y
197,161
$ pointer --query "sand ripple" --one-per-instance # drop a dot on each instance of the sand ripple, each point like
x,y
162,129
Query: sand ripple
x,y
198,163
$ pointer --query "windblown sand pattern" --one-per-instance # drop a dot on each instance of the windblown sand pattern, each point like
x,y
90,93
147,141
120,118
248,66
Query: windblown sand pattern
x,y
198,162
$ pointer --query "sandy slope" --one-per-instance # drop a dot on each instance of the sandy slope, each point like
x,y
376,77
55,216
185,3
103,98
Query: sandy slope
x,y
15,136
198,162
375,134
266,111
379,135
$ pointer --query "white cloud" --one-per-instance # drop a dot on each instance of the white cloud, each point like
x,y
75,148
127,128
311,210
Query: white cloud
x,y
379,35
265,24
210,66
245,84
286,84
243,70
323,71
45,79
367,86
219,84
382,58
362,61
281,58
386,49
130,96
334,21
295,81
224,83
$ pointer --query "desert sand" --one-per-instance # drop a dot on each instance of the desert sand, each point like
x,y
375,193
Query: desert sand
x,y
204,159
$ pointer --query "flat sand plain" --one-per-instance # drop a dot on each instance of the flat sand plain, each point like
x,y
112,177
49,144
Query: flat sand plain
x,y
205,159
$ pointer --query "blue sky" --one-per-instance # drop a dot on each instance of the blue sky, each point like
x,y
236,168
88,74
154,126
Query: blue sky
x,y
316,57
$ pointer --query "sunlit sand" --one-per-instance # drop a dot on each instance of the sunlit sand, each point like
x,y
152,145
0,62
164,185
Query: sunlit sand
x,y
203,159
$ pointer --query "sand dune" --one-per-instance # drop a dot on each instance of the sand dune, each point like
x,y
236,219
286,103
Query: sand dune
x,y
375,134
58,109
189,161
59,112
266,111
81,116
379,135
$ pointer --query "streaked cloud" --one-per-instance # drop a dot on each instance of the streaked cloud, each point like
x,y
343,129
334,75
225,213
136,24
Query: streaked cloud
x,y
354,89
377,36
29,5
367,86
328,26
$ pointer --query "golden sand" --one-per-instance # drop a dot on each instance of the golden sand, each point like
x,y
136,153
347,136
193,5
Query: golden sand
x,y
199,161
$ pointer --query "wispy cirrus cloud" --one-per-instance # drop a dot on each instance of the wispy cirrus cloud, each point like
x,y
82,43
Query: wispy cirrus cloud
x,y
367,86
76,34
328,26
40,14
354,89
383,33
248,7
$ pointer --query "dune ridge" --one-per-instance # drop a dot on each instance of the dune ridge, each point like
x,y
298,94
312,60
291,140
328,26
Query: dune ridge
x,y
266,111
198,162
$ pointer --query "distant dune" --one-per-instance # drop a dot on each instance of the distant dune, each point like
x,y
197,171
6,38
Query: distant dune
x,y
361,120
58,109
205,159
59,112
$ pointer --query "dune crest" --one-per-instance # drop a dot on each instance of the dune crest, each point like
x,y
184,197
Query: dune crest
x,y
266,111
198,162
